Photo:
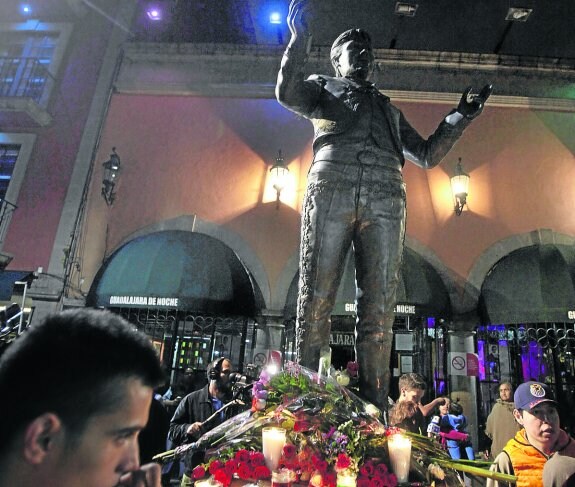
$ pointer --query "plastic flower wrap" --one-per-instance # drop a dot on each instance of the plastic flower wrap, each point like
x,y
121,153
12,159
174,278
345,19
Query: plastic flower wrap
x,y
329,430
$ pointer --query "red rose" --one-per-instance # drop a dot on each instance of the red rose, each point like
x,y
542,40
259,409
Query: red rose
x,y
242,456
392,480
330,479
343,462
363,482
257,459
289,450
244,471
262,472
367,469
222,477
231,466
290,464
198,472
315,459
215,465
322,466
352,369
381,470
301,426
376,482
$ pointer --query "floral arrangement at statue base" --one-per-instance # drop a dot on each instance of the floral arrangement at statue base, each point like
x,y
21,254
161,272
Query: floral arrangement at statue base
x,y
330,432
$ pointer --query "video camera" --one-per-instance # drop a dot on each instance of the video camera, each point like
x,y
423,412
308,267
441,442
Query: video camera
x,y
241,383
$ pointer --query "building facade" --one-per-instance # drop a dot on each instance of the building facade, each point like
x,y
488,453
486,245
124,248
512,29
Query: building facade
x,y
197,248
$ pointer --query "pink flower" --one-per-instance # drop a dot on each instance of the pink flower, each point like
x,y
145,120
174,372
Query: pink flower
x,y
198,472
343,462
352,369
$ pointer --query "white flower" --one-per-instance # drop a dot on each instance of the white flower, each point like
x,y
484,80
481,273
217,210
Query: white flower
x,y
372,411
342,379
436,471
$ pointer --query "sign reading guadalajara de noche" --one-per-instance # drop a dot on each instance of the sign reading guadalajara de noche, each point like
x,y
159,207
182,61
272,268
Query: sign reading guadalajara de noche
x,y
143,301
401,309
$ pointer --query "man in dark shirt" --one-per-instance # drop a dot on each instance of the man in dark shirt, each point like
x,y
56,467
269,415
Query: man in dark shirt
x,y
190,419
355,193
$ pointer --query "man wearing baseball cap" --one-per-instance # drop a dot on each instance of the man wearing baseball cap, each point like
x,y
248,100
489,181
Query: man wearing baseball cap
x,y
541,437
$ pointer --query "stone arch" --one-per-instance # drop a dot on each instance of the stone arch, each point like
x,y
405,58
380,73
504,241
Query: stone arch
x,y
500,249
291,269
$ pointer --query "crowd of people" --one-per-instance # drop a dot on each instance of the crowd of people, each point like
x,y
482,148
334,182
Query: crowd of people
x,y
524,427
78,390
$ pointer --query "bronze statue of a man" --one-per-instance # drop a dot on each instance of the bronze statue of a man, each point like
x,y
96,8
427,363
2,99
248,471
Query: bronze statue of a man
x,y
355,193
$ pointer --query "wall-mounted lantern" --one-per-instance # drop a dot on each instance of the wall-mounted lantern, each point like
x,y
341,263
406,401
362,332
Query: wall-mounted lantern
x,y
279,173
460,188
111,171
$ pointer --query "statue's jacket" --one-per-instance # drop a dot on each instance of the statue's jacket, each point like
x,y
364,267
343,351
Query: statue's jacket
x,y
343,111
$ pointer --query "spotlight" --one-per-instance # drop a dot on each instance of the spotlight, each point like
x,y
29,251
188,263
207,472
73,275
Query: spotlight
x,y
154,13
518,14
275,18
405,9
25,9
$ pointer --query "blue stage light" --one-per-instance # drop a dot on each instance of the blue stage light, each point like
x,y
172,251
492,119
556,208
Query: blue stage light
x,y
154,13
275,18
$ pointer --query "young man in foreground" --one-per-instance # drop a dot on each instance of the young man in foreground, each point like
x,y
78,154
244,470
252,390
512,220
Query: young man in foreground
x,y
526,454
76,390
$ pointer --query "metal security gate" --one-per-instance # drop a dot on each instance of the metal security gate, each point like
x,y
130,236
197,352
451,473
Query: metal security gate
x,y
187,342
517,353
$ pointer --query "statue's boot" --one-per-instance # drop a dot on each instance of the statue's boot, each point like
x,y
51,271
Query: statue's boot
x,y
373,354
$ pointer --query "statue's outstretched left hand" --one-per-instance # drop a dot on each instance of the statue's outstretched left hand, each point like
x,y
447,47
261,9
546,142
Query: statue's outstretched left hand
x,y
470,106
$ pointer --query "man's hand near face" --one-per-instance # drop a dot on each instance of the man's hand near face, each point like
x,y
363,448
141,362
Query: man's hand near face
x,y
149,475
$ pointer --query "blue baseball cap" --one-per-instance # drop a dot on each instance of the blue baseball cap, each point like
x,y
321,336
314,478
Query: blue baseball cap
x,y
531,394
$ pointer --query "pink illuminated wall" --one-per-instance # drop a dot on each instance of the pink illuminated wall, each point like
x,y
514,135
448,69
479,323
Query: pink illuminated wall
x,y
210,157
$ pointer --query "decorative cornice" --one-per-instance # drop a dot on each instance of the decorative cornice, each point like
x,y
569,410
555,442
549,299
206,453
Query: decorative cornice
x,y
421,76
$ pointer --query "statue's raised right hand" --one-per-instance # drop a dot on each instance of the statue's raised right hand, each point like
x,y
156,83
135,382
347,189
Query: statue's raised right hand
x,y
296,19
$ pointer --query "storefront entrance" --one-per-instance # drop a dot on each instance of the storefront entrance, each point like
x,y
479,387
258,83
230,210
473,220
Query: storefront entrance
x,y
189,293
527,306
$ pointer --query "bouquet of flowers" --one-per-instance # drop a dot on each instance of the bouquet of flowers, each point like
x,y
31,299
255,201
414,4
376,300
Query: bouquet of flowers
x,y
330,432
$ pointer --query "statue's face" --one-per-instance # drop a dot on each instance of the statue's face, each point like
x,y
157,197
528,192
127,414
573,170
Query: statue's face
x,y
356,60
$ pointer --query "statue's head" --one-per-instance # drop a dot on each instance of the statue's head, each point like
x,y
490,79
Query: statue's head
x,y
351,54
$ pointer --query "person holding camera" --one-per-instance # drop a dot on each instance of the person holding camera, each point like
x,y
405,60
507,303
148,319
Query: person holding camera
x,y
195,414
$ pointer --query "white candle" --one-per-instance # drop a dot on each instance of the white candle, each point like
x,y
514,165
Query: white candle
x,y
210,482
346,479
273,441
399,448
